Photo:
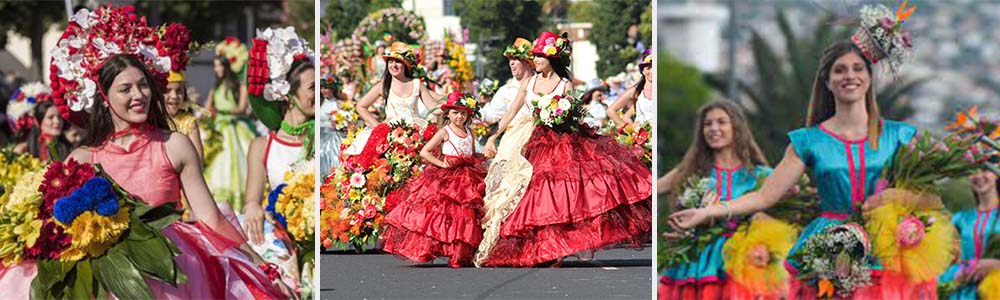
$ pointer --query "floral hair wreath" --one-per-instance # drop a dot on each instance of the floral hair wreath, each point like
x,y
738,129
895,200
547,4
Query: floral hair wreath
x,y
235,52
274,53
460,100
521,49
22,102
881,37
550,45
90,39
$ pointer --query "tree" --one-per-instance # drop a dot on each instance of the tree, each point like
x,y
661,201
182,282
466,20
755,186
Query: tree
x,y
779,94
493,25
582,11
342,16
681,90
30,19
612,19
300,15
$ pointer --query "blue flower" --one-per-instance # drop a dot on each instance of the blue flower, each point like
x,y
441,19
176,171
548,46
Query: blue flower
x,y
95,194
272,199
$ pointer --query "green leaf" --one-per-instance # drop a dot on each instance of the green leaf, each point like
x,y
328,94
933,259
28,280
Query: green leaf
x,y
160,216
153,258
51,272
139,231
120,276
83,285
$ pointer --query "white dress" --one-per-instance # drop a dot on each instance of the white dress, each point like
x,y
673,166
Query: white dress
x,y
645,109
397,108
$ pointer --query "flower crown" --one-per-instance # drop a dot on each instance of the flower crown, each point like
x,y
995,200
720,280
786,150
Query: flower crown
x,y
488,87
555,46
89,40
881,37
460,100
22,102
273,53
235,51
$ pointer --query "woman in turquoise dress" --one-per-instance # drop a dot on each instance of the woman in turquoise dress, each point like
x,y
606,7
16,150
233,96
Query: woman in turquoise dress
x,y
975,227
845,145
725,151
228,99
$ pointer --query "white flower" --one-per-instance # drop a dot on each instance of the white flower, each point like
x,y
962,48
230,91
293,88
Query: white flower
x,y
84,99
77,41
276,89
162,63
564,104
34,88
82,17
544,102
17,109
106,49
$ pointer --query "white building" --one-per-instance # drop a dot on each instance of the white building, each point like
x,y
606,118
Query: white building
x,y
692,32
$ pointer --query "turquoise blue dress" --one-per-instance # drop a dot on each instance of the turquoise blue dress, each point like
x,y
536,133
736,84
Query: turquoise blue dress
x,y
845,173
966,222
729,184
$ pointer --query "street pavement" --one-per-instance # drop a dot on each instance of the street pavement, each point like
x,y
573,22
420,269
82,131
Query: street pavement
x,y
614,274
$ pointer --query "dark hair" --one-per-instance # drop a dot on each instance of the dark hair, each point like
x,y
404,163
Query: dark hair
x,y
99,125
298,67
822,104
444,121
560,68
228,77
387,78
62,146
642,83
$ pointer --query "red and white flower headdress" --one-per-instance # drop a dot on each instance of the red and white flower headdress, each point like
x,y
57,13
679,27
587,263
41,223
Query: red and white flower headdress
x,y
22,102
90,39
274,52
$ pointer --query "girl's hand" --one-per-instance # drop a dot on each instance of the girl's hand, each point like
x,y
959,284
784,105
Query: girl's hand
x,y
983,268
688,218
672,236
444,164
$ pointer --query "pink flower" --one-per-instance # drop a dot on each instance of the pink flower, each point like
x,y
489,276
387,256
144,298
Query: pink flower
x,y
358,180
910,232
887,23
759,256
370,211
881,185
907,41
968,157
550,41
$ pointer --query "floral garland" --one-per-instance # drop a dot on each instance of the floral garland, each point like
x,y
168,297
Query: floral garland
x,y
409,20
271,58
636,138
91,38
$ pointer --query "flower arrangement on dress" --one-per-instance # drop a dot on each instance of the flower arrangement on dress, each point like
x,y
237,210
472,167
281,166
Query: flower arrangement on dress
x,y
880,35
88,236
697,193
989,287
354,194
836,259
755,255
90,38
22,102
562,113
636,138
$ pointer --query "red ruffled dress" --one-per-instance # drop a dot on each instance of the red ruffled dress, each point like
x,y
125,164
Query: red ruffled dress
x,y
586,192
438,212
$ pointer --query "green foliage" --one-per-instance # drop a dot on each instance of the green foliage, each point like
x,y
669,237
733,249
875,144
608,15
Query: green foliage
x,y
782,85
504,19
582,11
612,19
342,16
681,91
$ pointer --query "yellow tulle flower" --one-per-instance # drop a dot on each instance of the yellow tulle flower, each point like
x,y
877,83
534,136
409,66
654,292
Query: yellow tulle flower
x,y
19,226
926,259
755,255
92,234
989,288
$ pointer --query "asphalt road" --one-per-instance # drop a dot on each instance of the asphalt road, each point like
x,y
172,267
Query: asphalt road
x,y
614,274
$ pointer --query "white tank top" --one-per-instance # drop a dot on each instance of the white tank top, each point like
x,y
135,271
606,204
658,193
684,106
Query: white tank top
x,y
457,145
644,109
279,156
400,108
531,94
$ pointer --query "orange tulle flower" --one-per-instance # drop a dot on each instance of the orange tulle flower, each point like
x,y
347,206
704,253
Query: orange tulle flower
x,y
902,13
825,289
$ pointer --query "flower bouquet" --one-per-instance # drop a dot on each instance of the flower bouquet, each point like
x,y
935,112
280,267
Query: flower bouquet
x,y
88,236
837,259
989,288
13,166
345,117
970,125
636,138
292,205
697,193
562,113
798,207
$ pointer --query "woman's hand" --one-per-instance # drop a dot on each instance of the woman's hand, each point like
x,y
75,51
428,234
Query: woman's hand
x,y
981,269
490,150
253,222
688,218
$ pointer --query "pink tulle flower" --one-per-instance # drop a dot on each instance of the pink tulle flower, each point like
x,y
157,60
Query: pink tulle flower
x,y
910,232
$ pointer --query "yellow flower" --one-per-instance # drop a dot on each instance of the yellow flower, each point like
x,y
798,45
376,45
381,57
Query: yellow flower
x,y
472,103
550,50
92,234
296,202
19,227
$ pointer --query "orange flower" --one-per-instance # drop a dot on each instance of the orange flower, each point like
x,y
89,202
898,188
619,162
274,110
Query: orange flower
x,y
965,121
825,289
902,13
996,133
356,229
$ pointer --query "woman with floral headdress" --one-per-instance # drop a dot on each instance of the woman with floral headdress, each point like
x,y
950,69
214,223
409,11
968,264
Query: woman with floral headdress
x,y
331,101
638,98
976,227
118,99
34,117
285,104
403,76
845,146
582,191
228,101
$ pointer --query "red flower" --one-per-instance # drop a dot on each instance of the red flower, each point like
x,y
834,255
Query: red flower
x,y
257,68
176,41
61,179
51,242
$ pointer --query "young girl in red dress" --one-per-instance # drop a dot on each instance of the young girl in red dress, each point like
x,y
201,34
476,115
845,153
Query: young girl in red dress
x,y
440,209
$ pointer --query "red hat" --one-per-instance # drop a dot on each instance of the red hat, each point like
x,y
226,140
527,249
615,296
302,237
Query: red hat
x,y
551,45
459,100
